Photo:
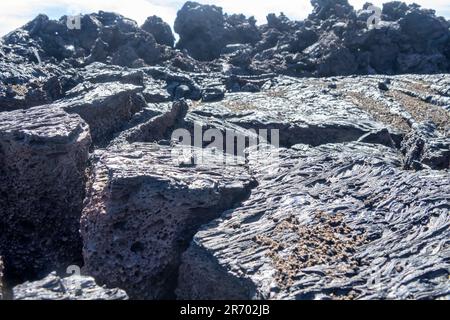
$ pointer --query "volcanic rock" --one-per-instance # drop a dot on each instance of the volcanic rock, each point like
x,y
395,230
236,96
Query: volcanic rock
x,y
352,205
340,221
106,107
72,288
326,9
201,29
160,30
143,207
425,146
153,124
300,110
204,30
43,156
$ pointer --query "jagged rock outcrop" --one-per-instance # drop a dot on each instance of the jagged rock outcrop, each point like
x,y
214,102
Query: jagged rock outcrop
x,y
201,29
25,84
109,30
160,30
330,9
338,221
142,210
205,31
334,40
71,288
43,156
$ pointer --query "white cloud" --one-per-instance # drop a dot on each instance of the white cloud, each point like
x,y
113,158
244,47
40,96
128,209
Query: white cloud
x,y
14,14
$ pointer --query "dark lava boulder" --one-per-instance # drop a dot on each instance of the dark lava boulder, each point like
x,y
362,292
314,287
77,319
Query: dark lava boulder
x,y
394,10
239,29
329,9
427,32
204,30
426,147
43,156
329,57
160,30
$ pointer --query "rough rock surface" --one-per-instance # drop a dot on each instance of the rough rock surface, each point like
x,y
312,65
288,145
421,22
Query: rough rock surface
x,y
153,124
356,209
424,146
334,40
143,209
160,30
41,61
205,31
338,221
71,288
106,107
300,111
43,155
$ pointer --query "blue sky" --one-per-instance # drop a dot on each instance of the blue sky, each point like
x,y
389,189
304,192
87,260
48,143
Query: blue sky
x,y
15,13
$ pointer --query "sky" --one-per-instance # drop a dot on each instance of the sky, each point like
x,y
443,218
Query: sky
x,y
15,13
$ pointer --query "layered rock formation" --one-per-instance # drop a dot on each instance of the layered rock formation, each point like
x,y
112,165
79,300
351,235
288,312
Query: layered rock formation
x,y
350,201
334,40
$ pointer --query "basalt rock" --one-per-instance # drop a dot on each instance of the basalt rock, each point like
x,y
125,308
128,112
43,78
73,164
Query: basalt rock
x,y
201,28
329,9
102,37
355,207
106,107
153,124
394,10
75,287
340,221
144,206
25,84
424,146
204,30
302,112
43,156
334,40
160,30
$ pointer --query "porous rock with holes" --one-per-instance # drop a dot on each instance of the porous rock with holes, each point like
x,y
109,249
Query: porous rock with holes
x,y
43,156
143,209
